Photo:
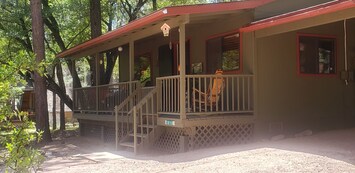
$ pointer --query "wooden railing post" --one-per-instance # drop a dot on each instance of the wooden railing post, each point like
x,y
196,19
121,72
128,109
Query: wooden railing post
x,y
116,126
158,85
134,114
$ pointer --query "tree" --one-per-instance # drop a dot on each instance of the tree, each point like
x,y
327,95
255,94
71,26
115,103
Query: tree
x,y
63,31
41,106
154,2
20,155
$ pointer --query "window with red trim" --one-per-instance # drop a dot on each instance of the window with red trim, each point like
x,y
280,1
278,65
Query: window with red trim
x,y
316,55
223,53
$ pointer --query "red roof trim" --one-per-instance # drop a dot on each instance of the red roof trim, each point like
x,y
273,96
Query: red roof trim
x,y
318,10
167,12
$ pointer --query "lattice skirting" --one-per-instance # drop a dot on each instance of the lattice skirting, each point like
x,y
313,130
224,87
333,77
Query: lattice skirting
x,y
91,130
205,136
169,141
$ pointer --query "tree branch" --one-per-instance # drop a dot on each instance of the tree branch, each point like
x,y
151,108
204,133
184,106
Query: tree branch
x,y
72,39
52,24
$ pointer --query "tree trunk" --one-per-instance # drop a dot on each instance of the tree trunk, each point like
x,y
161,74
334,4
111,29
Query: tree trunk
x,y
62,116
54,111
154,5
41,106
95,26
111,57
54,108
62,86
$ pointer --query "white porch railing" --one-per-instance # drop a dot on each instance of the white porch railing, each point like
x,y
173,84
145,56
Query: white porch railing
x,y
231,94
102,98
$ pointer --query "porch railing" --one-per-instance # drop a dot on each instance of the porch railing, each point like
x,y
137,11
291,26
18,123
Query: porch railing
x,y
207,94
102,98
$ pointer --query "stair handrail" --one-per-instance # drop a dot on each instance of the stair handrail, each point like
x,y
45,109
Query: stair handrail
x,y
134,110
128,101
119,107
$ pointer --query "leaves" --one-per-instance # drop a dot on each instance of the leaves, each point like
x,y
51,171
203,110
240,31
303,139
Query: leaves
x,y
21,156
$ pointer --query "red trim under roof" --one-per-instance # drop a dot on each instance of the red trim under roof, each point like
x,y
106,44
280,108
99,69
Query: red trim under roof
x,y
163,13
314,11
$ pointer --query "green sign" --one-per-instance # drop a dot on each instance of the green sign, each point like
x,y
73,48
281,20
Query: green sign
x,y
170,122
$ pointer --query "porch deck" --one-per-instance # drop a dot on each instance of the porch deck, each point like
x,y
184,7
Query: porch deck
x,y
235,97
141,115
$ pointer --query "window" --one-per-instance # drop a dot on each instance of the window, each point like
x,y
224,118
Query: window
x,y
142,69
223,53
316,55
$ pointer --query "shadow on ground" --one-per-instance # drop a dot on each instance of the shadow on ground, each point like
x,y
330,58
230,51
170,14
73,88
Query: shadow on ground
x,y
80,151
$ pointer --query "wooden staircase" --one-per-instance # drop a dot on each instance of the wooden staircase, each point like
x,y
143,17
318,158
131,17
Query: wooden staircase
x,y
139,129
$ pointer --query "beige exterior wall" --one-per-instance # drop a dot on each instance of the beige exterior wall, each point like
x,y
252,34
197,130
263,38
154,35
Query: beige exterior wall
x,y
124,64
197,34
289,103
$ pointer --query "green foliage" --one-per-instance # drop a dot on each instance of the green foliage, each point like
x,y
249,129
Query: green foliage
x,y
165,3
20,156
230,60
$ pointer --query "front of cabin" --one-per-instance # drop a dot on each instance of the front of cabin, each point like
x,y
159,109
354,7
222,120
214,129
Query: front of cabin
x,y
197,86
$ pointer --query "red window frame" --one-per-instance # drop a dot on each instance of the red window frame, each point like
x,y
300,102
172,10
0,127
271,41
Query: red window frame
x,y
317,36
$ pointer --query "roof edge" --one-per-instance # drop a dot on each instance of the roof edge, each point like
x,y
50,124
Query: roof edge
x,y
160,14
321,9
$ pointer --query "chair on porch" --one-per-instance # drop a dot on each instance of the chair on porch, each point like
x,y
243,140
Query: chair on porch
x,y
210,98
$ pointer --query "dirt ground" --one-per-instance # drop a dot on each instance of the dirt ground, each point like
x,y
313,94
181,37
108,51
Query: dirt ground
x,y
332,151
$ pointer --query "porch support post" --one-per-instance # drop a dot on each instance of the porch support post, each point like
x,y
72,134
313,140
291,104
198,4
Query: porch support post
x,y
182,70
131,65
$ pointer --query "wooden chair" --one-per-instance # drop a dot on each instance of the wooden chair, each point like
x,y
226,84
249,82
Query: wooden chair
x,y
210,98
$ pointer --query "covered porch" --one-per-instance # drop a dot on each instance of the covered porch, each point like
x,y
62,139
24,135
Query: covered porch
x,y
179,66
179,73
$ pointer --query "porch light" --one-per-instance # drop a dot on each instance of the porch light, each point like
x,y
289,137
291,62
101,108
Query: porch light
x,y
120,49
165,28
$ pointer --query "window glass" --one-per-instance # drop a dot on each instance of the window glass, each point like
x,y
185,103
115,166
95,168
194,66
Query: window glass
x,y
230,52
316,55
223,53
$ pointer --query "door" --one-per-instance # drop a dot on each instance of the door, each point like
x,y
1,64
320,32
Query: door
x,y
177,58
166,60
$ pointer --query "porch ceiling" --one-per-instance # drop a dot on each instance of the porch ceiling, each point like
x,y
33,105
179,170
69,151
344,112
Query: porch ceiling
x,y
150,25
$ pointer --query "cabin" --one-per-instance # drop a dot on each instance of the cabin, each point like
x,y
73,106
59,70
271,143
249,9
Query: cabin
x,y
26,103
227,73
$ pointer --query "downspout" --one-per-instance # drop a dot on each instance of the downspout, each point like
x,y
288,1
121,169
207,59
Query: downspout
x,y
345,53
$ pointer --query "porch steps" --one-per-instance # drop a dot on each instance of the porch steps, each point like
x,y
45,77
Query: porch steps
x,y
148,130
148,126
139,135
142,129
127,144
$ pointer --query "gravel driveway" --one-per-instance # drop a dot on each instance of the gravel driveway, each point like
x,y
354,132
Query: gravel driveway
x,y
332,151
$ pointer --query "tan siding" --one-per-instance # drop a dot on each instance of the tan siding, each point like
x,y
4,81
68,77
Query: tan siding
x,y
197,34
299,102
